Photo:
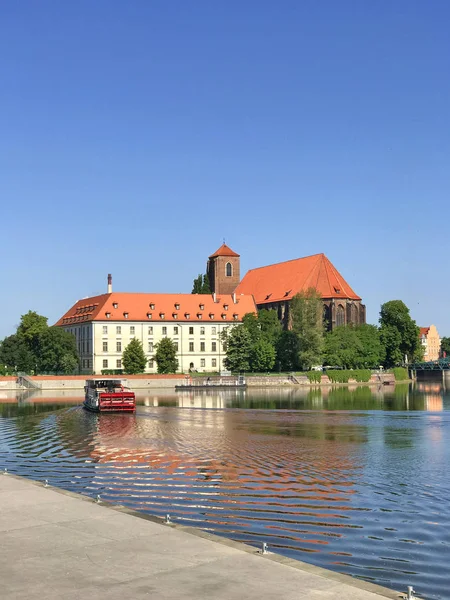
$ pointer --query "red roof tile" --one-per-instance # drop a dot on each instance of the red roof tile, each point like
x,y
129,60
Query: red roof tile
x,y
161,307
424,331
224,250
283,280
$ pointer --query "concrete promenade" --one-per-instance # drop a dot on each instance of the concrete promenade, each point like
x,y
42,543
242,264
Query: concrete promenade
x,y
59,545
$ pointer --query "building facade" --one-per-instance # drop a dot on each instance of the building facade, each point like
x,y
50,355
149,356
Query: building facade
x,y
104,325
431,343
274,286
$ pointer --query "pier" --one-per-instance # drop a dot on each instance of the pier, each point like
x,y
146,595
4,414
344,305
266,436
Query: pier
x,y
57,544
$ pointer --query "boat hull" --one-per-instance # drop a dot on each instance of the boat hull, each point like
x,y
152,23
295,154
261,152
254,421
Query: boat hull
x,y
111,402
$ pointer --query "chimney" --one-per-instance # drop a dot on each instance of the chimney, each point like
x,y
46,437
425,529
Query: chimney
x,y
214,297
109,283
234,297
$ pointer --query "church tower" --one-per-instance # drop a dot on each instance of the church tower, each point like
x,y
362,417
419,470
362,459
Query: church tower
x,y
223,270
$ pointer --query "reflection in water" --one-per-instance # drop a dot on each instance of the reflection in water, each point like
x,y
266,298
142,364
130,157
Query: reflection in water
x,y
353,480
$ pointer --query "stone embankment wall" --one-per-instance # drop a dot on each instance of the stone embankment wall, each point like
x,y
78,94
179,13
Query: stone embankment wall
x,y
376,379
76,382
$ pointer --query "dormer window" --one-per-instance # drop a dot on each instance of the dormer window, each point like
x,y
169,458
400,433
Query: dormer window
x,y
337,290
175,315
108,315
201,306
287,293
149,315
235,316
162,315
177,306
152,306
199,316
225,306
125,314
211,315
115,305
187,315
224,316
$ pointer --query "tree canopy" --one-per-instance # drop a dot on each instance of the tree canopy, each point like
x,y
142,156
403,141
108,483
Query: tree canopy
x,y
134,360
399,334
354,347
166,356
306,312
445,346
201,285
238,347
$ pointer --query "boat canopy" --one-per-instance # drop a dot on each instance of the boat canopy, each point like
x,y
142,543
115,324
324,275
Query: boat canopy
x,y
105,383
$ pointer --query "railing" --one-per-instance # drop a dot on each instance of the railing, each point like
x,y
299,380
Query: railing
x,y
25,381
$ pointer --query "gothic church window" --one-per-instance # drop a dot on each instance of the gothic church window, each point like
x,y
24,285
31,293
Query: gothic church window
x,y
340,315
229,269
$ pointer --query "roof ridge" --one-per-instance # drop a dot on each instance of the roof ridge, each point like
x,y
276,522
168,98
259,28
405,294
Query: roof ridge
x,y
282,262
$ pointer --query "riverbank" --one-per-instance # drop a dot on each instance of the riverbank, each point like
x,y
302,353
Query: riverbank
x,y
58,544
149,382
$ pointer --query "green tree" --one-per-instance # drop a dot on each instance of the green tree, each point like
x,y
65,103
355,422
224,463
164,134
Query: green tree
x,y
445,346
306,313
238,347
16,356
166,356
271,328
288,349
354,347
31,327
201,285
57,351
262,356
399,333
133,358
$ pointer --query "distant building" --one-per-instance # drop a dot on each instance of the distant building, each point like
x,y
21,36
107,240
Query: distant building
x,y
274,286
431,343
104,325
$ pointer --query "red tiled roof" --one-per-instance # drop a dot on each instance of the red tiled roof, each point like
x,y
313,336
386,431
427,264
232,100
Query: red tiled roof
x,y
283,280
424,331
224,250
161,307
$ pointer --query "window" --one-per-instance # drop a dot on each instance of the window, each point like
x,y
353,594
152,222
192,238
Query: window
x,y
105,329
235,316
202,346
175,315
125,314
132,330
150,331
115,305
175,345
202,362
202,331
228,270
177,306
199,316
105,363
149,315
164,330
187,315
191,346
213,347
202,306
118,346
214,362
191,331
108,315
224,316
162,315
340,315
105,346
225,306
150,346
175,331
119,330
118,363
213,331
211,316
150,364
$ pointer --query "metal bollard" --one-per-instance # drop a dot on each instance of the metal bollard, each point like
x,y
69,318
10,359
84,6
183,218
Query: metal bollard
x,y
5,471
264,548
98,499
411,592
167,519
46,483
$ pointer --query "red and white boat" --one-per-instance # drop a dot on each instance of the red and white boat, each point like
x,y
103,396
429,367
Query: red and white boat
x,y
108,395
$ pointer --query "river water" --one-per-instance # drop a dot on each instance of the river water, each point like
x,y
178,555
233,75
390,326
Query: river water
x,y
354,480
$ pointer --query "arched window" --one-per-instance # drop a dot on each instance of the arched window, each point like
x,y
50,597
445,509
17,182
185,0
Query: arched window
x,y
354,315
340,315
229,270
326,317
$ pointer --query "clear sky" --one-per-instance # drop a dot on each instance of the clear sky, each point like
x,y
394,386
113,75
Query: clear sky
x,y
135,136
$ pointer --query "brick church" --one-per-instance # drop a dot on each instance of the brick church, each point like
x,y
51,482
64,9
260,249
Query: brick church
x,y
275,285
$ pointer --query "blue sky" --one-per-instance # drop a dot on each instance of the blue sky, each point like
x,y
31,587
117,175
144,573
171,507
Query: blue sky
x,y
135,135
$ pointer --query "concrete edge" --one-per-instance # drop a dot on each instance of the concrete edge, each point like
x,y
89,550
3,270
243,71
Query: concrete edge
x,y
278,558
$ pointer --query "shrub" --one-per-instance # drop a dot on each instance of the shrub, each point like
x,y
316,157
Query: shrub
x,y
339,376
314,376
400,373
361,375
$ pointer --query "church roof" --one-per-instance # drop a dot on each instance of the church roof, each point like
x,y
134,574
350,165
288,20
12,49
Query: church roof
x,y
283,280
121,306
224,250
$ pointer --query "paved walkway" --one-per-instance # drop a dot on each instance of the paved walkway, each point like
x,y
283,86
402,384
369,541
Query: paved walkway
x,y
58,545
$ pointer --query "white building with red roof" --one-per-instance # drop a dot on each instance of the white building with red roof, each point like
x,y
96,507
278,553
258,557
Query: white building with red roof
x,y
104,325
